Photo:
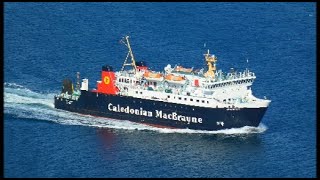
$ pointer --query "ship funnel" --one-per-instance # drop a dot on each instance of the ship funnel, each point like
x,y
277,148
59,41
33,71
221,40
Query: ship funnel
x,y
107,68
107,85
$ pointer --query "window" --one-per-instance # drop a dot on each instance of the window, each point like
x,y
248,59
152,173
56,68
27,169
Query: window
x,y
179,98
191,99
185,99
136,92
202,101
140,92
168,96
197,100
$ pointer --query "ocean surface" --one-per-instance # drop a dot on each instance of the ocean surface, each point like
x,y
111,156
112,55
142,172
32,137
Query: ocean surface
x,y
47,42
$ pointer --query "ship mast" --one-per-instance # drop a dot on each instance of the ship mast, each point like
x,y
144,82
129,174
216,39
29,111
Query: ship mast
x,y
133,62
78,81
211,62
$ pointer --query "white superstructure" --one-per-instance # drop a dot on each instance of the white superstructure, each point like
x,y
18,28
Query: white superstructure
x,y
179,85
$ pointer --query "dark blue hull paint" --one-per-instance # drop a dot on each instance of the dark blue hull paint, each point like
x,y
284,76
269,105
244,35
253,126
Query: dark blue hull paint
x,y
96,104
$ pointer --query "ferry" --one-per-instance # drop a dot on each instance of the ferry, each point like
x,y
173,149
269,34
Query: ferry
x,y
178,97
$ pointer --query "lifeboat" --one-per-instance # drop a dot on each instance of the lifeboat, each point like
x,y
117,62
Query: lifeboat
x,y
175,79
153,76
182,69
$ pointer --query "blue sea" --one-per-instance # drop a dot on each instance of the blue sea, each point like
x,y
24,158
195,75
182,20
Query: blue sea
x,y
47,42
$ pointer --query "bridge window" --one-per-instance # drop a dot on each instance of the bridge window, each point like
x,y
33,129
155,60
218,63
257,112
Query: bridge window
x,y
191,99
179,98
197,100
202,101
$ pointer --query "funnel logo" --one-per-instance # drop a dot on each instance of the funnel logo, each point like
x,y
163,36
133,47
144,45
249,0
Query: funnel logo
x,y
106,80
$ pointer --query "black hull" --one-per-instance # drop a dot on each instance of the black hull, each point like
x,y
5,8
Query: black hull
x,y
160,113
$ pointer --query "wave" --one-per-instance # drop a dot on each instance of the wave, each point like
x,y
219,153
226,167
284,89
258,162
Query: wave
x,y
25,103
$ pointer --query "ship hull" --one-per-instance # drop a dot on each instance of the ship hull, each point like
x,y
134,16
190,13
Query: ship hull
x,y
159,113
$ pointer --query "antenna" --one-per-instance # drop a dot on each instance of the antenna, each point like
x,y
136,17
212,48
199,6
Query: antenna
x,y
247,64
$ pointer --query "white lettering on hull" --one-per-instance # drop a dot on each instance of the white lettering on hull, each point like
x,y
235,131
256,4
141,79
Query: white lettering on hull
x,y
158,114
